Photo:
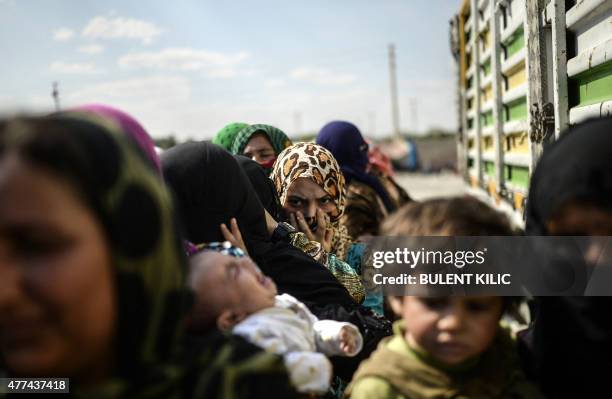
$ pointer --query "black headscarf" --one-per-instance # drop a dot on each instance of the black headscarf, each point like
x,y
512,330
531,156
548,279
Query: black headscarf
x,y
578,166
211,188
263,185
569,347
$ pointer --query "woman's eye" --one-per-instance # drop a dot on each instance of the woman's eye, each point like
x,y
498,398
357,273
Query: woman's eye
x,y
325,201
295,203
38,247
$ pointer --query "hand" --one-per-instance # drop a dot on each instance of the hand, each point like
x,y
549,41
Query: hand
x,y
324,233
234,236
348,343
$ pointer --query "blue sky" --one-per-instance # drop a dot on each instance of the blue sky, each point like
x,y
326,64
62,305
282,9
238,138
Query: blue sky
x,y
190,67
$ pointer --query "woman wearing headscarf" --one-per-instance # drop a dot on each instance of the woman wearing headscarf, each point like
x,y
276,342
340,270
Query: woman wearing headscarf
x,y
367,202
262,143
311,191
379,165
92,275
128,125
569,346
211,188
267,195
226,136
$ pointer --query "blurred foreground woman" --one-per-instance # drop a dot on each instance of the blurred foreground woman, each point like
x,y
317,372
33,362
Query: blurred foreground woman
x,y
92,276
569,347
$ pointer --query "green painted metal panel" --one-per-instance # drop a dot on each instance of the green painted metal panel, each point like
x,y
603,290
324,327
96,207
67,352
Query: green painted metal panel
x,y
592,86
489,168
515,43
486,119
486,67
516,110
517,175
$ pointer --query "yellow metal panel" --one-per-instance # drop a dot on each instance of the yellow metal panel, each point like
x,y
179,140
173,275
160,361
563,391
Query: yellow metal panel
x,y
487,143
463,15
486,38
517,143
518,201
516,77
492,189
487,94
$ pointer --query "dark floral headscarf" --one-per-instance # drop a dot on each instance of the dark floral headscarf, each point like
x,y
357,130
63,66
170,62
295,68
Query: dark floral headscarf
x,y
135,211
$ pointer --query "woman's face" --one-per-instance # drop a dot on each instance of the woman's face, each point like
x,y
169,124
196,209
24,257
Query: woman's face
x,y
304,195
259,149
57,303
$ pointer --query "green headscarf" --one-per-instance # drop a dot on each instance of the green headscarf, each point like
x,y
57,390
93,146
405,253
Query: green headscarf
x,y
277,137
134,209
225,137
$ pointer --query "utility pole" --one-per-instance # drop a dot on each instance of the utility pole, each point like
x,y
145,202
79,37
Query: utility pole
x,y
55,95
414,114
393,82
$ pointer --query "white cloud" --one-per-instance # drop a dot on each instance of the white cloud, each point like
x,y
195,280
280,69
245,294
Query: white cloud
x,y
321,76
275,82
157,89
186,59
183,59
121,28
91,49
74,68
63,34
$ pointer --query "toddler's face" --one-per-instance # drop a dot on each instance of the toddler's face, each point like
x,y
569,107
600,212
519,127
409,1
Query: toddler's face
x,y
451,329
228,283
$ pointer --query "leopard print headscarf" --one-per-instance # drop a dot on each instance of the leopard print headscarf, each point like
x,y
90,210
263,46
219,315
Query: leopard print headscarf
x,y
315,162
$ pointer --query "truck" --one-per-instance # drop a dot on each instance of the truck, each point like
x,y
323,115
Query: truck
x,y
526,70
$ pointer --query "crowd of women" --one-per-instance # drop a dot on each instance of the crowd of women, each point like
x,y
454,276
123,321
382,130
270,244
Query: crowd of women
x,y
136,275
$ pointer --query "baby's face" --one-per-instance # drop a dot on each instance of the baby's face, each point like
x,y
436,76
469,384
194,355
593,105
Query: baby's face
x,y
451,329
230,283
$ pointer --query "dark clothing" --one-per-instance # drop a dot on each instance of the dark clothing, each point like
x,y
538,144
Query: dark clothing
x,y
211,188
345,141
568,349
263,185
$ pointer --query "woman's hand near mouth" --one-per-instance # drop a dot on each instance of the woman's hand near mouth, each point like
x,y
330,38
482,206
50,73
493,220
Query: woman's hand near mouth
x,y
321,231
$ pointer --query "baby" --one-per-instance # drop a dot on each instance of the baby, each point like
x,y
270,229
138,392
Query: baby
x,y
234,295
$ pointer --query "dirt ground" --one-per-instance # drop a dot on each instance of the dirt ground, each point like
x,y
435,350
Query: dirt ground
x,y
421,186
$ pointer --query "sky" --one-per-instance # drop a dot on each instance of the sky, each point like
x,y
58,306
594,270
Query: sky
x,y
188,68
